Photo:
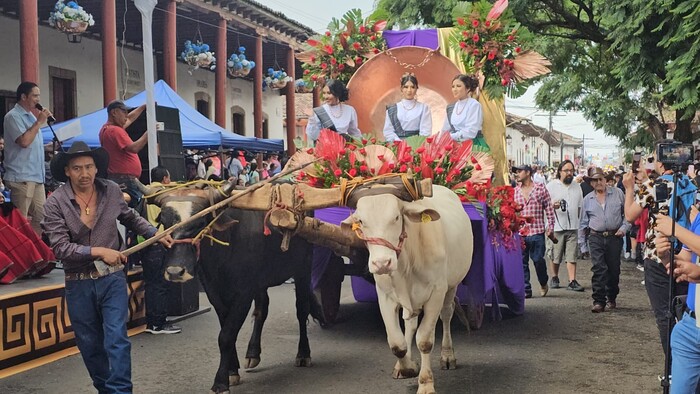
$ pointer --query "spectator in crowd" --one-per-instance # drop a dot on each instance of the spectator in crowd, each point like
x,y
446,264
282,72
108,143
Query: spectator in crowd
x,y
24,154
264,171
81,226
234,165
538,176
603,220
275,166
685,337
641,193
536,203
586,184
567,202
254,175
124,163
153,263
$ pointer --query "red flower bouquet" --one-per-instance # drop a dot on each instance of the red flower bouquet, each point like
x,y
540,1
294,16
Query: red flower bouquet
x,y
346,45
491,44
503,213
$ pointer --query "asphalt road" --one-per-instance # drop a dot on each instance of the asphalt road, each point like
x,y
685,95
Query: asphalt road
x,y
558,346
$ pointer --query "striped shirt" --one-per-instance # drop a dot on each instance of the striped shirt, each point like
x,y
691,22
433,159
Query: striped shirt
x,y
71,240
534,208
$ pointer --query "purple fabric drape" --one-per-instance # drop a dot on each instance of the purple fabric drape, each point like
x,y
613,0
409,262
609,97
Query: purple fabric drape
x,y
419,38
495,277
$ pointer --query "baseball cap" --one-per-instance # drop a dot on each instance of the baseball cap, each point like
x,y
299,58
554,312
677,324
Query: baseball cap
x,y
522,167
118,104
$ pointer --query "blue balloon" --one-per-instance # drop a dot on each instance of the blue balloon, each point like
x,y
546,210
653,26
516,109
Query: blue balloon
x,y
72,4
241,49
205,47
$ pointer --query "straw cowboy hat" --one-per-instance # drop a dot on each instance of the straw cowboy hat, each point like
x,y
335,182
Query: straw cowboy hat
x,y
79,148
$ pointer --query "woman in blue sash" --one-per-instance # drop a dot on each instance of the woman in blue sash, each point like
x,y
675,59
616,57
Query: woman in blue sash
x,y
464,117
334,114
407,117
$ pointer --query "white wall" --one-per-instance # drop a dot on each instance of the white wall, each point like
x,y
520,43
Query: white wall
x,y
85,59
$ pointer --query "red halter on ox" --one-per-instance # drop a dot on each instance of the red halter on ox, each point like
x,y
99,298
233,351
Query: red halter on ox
x,y
356,227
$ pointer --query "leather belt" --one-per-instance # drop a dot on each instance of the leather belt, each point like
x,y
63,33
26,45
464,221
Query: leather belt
x,y
608,233
93,273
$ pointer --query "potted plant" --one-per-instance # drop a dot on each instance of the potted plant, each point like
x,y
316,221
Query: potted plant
x,y
276,79
302,86
70,17
198,55
238,65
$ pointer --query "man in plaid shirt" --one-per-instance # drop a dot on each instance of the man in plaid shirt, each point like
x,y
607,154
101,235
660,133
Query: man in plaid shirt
x,y
535,200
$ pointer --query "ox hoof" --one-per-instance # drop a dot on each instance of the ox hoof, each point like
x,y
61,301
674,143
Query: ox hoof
x,y
219,389
234,380
303,362
405,373
427,388
448,363
252,362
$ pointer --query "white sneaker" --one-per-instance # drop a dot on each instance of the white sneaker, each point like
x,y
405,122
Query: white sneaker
x,y
643,283
640,267
627,255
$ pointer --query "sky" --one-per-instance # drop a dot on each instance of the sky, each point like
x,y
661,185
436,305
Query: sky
x,y
316,14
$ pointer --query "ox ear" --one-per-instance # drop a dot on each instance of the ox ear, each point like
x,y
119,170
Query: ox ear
x,y
421,215
223,225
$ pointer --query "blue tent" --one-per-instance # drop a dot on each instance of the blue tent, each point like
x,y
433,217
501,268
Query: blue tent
x,y
197,130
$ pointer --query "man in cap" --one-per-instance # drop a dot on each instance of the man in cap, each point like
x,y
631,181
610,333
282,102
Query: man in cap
x,y
80,223
603,219
124,164
536,202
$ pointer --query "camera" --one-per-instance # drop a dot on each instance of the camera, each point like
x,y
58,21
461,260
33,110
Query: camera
x,y
662,195
562,205
636,158
675,154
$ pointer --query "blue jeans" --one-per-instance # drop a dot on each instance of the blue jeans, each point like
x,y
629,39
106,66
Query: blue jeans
x,y
98,311
685,348
534,248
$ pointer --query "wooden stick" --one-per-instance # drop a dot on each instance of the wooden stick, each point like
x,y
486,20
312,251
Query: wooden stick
x,y
214,207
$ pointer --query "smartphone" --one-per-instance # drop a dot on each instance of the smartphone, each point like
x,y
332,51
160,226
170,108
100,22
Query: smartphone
x,y
636,158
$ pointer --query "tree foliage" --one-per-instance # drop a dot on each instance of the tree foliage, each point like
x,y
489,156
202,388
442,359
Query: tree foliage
x,y
628,65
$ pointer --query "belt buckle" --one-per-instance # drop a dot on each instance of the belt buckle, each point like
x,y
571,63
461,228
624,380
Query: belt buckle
x,y
94,275
606,233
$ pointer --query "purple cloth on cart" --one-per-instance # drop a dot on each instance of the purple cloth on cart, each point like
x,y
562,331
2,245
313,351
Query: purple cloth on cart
x,y
495,277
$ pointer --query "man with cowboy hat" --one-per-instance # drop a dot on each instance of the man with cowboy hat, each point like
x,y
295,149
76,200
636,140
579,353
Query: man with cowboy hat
x,y
80,223
603,219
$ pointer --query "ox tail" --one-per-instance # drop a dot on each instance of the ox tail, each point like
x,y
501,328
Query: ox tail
x,y
461,315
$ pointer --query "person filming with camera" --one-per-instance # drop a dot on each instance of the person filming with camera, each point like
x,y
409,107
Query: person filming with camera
x,y
685,337
603,220
567,201
640,193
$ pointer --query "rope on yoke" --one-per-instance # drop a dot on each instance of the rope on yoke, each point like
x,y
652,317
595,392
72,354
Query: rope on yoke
x,y
171,187
348,186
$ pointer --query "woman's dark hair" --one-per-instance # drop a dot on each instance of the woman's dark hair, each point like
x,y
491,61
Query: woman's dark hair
x,y
562,164
471,83
25,88
338,89
409,78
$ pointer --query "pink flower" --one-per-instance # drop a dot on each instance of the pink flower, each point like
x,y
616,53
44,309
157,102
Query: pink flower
x,y
338,172
420,150
430,140
363,151
518,49
352,172
363,168
439,170
475,38
475,23
363,29
487,23
460,21
328,34
403,168
310,151
356,45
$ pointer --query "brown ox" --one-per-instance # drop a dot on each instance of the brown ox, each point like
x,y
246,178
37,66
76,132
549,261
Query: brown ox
x,y
418,252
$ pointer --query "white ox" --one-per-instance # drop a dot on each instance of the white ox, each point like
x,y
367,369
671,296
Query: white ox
x,y
419,274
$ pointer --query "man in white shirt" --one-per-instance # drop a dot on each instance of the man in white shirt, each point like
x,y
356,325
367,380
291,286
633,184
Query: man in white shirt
x,y
566,199
538,176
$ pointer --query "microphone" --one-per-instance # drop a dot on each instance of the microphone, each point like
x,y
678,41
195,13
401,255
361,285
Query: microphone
x,y
50,119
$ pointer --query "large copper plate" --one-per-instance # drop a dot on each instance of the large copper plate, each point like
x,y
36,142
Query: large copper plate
x,y
376,84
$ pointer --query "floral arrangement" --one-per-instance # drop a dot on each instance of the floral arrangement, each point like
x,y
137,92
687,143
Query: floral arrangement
x,y
301,86
503,213
276,79
346,45
238,65
446,162
198,55
490,43
70,17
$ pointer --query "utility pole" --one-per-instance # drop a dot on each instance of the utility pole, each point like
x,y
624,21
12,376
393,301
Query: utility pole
x,y
551,115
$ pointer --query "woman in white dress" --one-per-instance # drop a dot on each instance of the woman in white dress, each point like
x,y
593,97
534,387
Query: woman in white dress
x,y
407,117
464,117
334,114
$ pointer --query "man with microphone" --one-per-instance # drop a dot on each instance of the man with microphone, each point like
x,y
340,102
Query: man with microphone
x,y
24,153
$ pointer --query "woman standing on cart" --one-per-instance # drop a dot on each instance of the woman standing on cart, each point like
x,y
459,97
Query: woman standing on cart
x,y
464,117
334,114
408,117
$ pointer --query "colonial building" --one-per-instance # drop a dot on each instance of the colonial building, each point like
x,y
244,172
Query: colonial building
x,y
527,143
78,74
